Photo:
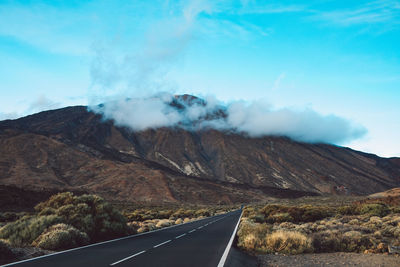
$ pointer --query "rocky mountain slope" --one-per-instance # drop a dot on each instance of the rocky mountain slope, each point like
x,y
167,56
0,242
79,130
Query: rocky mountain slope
x,y
72,148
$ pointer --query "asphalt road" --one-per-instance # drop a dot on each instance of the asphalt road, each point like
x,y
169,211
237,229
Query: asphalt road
x,y
200,243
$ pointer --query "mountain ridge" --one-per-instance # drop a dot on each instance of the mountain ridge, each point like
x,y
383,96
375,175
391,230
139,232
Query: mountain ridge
x,y
76,148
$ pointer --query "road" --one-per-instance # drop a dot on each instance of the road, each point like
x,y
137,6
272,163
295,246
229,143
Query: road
x,y
200,243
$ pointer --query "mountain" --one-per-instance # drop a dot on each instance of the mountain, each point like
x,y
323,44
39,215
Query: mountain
x,y
75,149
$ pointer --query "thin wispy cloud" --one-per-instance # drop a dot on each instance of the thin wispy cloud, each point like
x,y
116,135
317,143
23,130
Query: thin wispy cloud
x,y
259,8
143,69
376,12
45,27
278,81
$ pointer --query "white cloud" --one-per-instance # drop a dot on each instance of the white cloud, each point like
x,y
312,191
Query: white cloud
x,y
254,119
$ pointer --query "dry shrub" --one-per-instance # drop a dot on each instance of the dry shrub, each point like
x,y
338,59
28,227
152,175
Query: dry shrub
x,y
281,217
354,222
335,241
288,242
164,223
202,213
61,236
251,236
251,242
179,221
258,218
248,211
287,225
146,227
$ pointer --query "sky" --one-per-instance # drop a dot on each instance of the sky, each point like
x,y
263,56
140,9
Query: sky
x,y
335,58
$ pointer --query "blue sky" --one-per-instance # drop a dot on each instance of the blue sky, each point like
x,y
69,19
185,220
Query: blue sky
x,y
335,57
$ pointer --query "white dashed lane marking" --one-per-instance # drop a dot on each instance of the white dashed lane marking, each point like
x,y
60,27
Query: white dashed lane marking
x,y
127,258
179,236
163,243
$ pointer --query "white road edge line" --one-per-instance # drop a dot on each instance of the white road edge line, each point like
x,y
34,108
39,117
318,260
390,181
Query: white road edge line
x,y
127,258
228,247
163,243
199,227
105,242
192,231
179,236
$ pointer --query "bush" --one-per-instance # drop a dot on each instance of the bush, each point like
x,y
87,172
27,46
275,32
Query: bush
x,y
375,209
164,223
251,236
278,213
288,242
347,210
258,218
281,217
88,213
334,241
202,212
23,231
61,236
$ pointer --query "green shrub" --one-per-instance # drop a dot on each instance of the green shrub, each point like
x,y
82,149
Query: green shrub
x,y
347,210
61,237
375,209
23,231
88,213
312,214
279,213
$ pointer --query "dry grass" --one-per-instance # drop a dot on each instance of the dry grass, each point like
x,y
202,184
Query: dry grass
x,y
288,242
352,227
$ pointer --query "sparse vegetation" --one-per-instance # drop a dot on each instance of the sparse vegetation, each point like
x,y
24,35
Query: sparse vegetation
x,y
290,229
150,218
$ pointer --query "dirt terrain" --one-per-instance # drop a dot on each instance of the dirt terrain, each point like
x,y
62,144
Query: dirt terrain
x,y
329,259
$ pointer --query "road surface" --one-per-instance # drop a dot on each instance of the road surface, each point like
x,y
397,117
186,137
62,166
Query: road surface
x,y
200,243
